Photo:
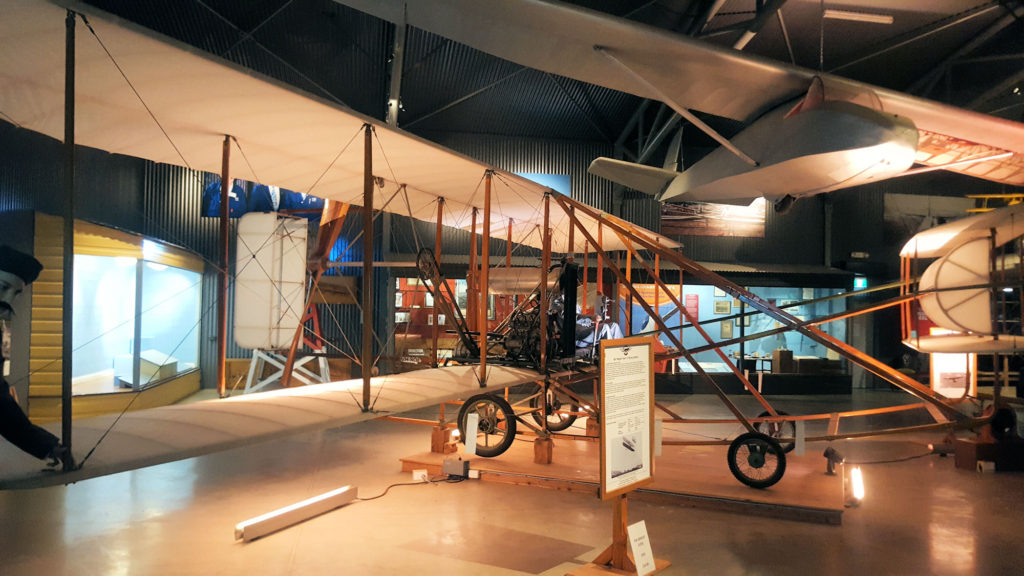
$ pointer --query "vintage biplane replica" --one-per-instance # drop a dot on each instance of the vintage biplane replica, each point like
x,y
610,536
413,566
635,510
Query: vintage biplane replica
x,y
167,103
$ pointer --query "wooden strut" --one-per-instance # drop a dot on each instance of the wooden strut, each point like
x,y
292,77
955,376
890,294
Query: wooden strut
x,y
485,262
222,285
367,355
693,322
437,255
543,311
331,221
870,364
471,304
661,324
68,241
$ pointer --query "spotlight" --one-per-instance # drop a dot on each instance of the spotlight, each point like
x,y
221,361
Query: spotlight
x,y
832,457
857,482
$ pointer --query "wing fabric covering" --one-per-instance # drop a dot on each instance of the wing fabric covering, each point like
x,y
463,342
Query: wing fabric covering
x,y
158,435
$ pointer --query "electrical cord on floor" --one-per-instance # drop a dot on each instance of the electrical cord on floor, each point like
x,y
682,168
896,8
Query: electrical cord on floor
x,y
438,480
904,459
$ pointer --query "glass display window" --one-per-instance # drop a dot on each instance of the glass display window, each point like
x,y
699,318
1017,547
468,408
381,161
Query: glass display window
x,y
136,312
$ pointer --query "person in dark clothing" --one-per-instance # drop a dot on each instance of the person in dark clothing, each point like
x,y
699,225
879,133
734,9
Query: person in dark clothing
x,y
18,270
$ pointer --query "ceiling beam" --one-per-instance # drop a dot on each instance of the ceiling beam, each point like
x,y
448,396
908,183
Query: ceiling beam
x,y
755,26
934,29
1000,89
397,64
472,94
926,83
590,114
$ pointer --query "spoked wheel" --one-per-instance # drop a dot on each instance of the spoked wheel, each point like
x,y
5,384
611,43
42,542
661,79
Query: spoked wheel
x,y
555,401
756,460
496,427
781,429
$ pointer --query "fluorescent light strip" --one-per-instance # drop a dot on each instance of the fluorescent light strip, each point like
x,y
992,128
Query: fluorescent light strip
x,y
294,513
858,16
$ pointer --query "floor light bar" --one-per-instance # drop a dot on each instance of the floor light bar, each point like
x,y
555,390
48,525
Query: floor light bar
x,y
294,513
858,16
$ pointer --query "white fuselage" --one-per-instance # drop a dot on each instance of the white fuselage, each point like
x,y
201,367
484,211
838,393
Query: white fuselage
x,y
834,145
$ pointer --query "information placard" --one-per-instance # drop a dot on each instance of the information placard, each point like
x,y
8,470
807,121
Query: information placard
x,y
627,409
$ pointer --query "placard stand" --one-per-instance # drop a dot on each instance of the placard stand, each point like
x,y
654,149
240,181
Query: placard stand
x,y
617,555
627,447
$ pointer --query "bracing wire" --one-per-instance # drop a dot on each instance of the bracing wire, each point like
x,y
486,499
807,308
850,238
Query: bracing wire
x,y
137,394
246,158
331,165
132,86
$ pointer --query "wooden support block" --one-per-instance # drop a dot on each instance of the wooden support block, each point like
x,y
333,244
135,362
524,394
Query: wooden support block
x,y
542,449
593,427
441,440
596,570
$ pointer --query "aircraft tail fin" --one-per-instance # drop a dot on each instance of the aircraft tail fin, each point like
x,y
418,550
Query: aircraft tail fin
x,y
647,179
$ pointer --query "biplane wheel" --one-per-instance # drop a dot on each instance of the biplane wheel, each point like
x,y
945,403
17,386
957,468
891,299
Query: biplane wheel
x,y
756,460
783,429
496,428
556,421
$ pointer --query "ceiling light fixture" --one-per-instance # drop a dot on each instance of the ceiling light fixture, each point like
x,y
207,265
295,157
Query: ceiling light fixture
x,y
858,16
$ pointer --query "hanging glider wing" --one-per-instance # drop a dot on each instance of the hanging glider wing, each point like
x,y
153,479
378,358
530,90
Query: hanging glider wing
x,y
291,139
807,132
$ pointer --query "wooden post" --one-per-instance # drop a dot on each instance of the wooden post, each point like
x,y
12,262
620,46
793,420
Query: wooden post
x,y
367,355
617,555
222,305
485,262
437,289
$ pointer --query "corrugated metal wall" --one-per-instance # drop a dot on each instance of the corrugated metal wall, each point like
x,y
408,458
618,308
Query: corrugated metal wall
x,y
567,157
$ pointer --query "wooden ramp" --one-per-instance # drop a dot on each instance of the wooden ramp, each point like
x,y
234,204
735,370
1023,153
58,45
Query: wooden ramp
x,y
695,476
159,435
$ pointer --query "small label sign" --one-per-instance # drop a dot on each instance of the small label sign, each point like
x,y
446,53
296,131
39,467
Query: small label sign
x,y
643,557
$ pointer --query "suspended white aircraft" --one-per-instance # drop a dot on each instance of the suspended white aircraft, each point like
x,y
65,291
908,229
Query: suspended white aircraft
x,y
806,132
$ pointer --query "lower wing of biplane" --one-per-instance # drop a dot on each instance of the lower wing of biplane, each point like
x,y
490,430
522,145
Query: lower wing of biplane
x,y
158,435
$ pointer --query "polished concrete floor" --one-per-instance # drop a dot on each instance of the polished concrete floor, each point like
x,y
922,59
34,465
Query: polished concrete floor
x,y
920,516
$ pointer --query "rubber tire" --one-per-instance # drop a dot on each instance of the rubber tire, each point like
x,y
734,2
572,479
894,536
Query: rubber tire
x,y
787,429
766,446
505,413
564,421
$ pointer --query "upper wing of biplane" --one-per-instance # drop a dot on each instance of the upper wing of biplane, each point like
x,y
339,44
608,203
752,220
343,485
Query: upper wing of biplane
x,y
168,103
785,154
192,100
